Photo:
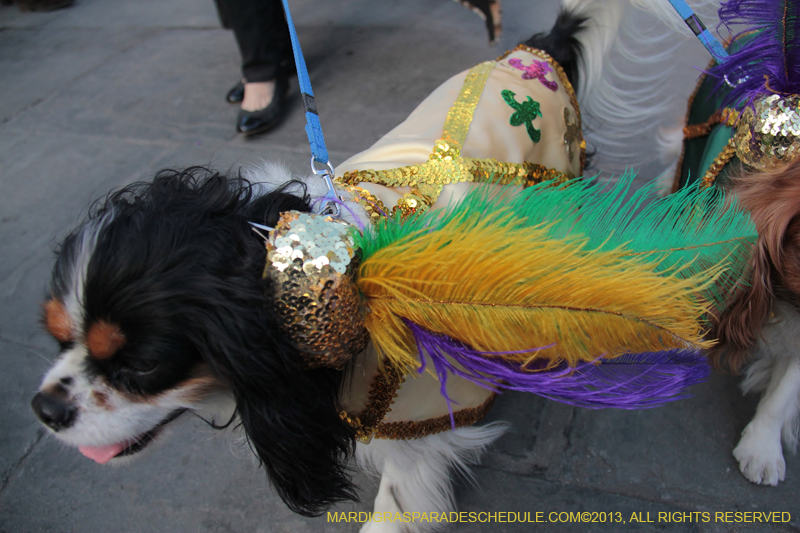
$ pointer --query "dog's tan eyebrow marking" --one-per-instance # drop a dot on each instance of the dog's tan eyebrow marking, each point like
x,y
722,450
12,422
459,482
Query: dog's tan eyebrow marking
x,y
57,321
104,339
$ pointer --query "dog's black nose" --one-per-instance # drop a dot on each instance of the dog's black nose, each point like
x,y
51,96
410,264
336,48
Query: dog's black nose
x,y
54,411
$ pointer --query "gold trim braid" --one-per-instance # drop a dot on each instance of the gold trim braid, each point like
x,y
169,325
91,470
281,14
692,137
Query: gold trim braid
x,y
417,430
730,120
382,393
719,163
726,116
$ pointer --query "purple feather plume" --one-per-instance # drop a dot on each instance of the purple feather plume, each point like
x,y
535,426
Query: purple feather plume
x,y
631,381
769,63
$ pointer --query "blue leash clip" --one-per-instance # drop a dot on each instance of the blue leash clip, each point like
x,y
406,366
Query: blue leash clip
x,y
319,152
329,204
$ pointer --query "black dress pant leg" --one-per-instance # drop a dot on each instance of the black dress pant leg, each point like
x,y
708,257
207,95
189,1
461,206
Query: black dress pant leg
x,y
262,35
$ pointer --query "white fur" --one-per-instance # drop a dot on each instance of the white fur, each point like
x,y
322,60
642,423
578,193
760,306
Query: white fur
x,y
670,143
415,474
115,418
269,174
74,298
626,89
776,374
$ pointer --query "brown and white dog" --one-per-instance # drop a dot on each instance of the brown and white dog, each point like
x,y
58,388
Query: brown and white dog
x,y
760,331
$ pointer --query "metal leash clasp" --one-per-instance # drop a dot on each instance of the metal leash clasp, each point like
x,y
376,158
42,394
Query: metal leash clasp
x,y
329,204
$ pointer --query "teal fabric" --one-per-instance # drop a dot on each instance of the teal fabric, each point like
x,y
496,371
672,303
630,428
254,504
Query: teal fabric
x,y
700,153
715,143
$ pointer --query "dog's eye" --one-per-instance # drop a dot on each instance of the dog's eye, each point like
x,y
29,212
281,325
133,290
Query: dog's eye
x,y
142,366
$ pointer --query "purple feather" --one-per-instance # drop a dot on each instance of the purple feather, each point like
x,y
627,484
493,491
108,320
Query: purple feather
x,y
767,64
631,381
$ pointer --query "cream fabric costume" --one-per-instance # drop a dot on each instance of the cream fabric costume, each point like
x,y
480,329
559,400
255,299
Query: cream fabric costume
x,y
467,131
513,121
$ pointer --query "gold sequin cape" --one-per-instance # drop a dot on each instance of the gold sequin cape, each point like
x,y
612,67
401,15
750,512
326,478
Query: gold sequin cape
x,y
461,134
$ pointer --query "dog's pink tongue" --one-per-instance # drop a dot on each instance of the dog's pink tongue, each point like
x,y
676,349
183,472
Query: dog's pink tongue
x,y
102,454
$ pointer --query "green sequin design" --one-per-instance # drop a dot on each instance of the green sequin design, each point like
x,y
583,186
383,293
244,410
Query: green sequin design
x,y
526,113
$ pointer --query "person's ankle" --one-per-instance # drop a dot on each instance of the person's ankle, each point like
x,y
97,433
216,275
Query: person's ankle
x,y
258,95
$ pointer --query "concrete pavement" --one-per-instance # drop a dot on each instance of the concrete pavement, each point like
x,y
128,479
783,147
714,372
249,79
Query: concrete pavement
x,y
108,92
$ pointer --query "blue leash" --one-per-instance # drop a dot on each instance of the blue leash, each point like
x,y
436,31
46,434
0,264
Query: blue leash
x,y
319,153
696,25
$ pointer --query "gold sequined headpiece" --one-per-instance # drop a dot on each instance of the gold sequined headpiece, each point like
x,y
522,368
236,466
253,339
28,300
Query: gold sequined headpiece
x,y
768,133
312,261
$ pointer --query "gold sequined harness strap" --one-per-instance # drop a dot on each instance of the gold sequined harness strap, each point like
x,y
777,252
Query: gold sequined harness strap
x,y
383,391
446,165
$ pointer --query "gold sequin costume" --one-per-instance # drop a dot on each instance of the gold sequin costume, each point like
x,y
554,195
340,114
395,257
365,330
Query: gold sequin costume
x,y
460,135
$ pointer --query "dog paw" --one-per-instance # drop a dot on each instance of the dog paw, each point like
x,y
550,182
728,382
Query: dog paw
x,y
760,456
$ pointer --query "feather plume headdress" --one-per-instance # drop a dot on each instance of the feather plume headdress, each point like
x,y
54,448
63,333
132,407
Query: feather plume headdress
x,y
542,289
761,77
768,62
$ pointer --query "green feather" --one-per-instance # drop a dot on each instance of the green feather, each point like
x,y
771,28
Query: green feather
x,y
686,233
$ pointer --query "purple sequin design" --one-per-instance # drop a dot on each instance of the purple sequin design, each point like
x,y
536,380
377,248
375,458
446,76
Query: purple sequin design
x,y
535,71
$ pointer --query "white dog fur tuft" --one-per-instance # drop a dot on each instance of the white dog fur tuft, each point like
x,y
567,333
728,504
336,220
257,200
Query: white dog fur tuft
x,y
774,372
627,94
416,473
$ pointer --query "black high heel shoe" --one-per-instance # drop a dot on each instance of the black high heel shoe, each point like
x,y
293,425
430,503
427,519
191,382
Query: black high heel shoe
x,y
261,120
236,94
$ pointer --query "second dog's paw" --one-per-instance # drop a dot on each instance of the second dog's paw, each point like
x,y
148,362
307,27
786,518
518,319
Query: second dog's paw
x,y
760,456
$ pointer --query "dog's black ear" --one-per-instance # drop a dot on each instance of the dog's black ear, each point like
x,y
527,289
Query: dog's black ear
x,y
562,44
290,415
293,426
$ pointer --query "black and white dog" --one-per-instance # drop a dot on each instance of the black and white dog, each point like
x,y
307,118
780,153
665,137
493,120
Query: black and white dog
x,y
158,304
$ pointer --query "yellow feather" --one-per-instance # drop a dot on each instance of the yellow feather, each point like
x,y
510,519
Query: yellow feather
x,y
500,289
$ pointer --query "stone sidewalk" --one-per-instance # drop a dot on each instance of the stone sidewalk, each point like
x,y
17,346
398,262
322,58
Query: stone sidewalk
x,y
108,92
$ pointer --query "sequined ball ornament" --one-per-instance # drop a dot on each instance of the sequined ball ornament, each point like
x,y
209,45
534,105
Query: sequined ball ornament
x,y
768,133
312,261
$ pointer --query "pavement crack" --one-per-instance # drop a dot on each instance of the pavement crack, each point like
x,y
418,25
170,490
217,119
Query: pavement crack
x,y
568,431
8,474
